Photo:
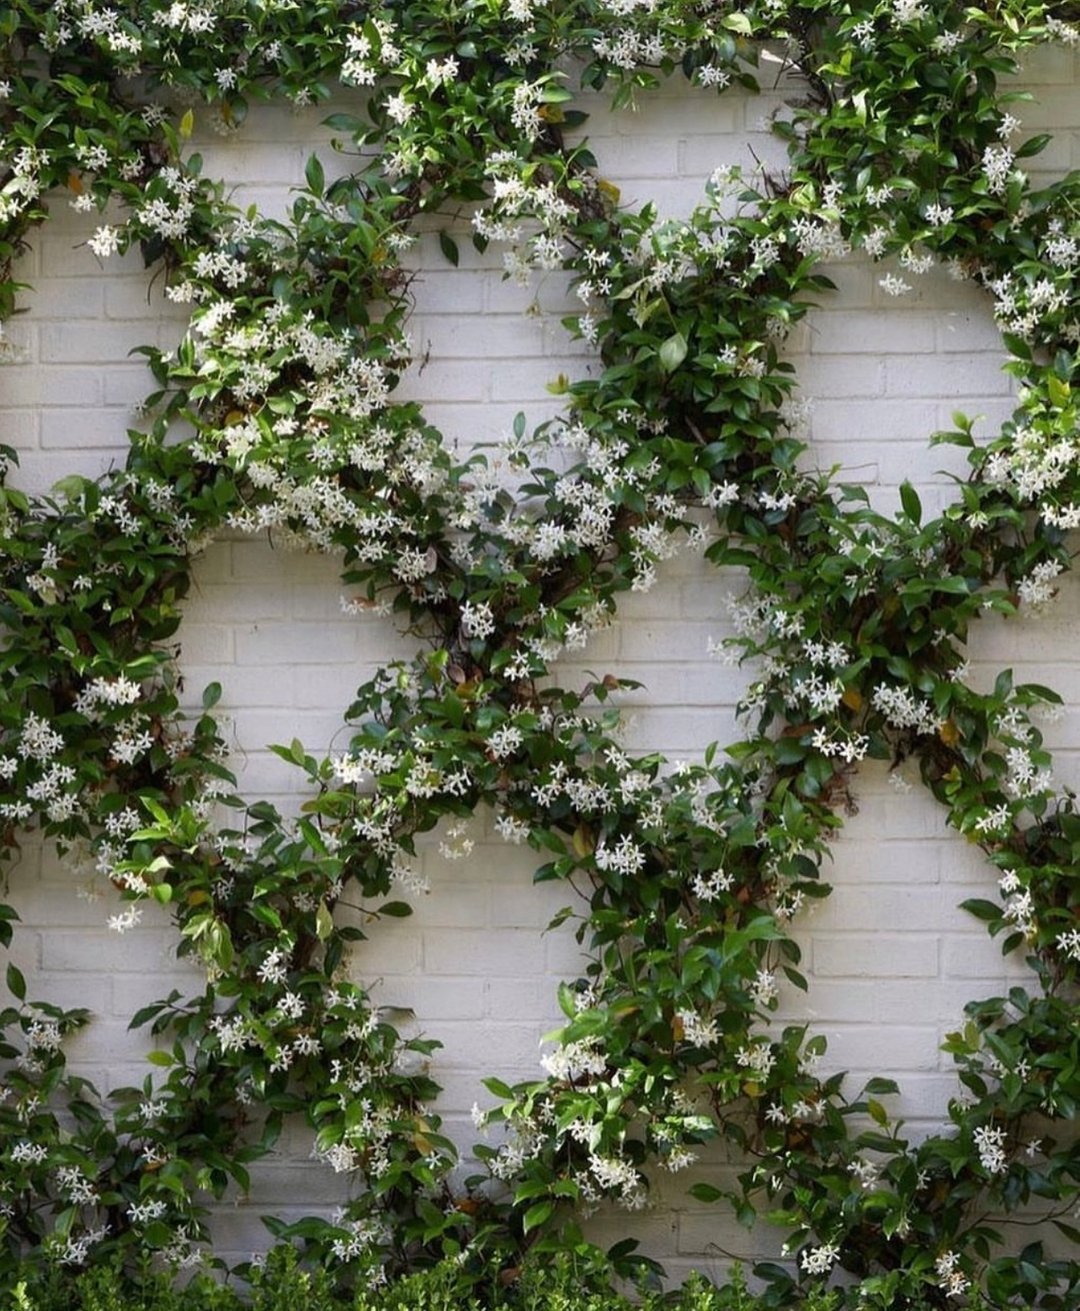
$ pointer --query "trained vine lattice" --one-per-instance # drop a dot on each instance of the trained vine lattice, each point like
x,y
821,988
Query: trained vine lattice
x,y
903,145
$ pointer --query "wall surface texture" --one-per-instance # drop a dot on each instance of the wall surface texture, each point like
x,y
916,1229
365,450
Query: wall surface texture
x,y
890,957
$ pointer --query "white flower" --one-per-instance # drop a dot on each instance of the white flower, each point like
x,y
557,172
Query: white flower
x,y
511,829
763,989
399,109
504,741
105,241
477,620
954,1282
893,285
126,919
819,1260
990,1142
437,73
26,1153
696,1031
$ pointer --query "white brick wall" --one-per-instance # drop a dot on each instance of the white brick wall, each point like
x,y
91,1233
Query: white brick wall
x,y
890,958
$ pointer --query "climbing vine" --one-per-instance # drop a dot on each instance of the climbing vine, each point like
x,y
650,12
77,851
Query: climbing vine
x,y
276,412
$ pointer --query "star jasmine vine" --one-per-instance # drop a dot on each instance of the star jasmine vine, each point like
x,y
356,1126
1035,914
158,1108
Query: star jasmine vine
x,y
276,411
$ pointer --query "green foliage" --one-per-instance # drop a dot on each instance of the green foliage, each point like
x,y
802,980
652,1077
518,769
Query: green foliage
x,y
276,412
563,1285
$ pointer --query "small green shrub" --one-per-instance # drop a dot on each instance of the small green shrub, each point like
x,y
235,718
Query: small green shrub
x,y
283,1284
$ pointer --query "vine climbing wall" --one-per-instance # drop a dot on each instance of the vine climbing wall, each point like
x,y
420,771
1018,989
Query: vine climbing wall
x,y
890,958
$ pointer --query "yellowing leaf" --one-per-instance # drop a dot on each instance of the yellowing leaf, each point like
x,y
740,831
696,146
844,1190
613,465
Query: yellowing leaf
x,y
852,698
610,190
1059,391
324,922
187,124
582,842
949,733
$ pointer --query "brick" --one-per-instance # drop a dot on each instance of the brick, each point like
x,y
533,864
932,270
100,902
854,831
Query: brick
x,y
389,950
521,381
204,644
62,429
838,376
1049,65
975,956
109,1041
261,644
529,999
64,252
505,953
129,992
837,331
972,375
102,343
142,950
855,283
871,956
495,336
488,1046
655,643
68,298
868,1047
442,997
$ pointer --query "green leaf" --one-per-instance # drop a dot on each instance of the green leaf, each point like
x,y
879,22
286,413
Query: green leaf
x,y
211,695
673,352
397,910
164,1059
909,499
146,1013
1033,145
316,178
537,1215
16,983
448,246
498,1089
982,910
1070,1231
343,122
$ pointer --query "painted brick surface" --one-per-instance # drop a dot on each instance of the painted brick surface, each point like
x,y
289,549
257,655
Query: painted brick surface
x,y
890,959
